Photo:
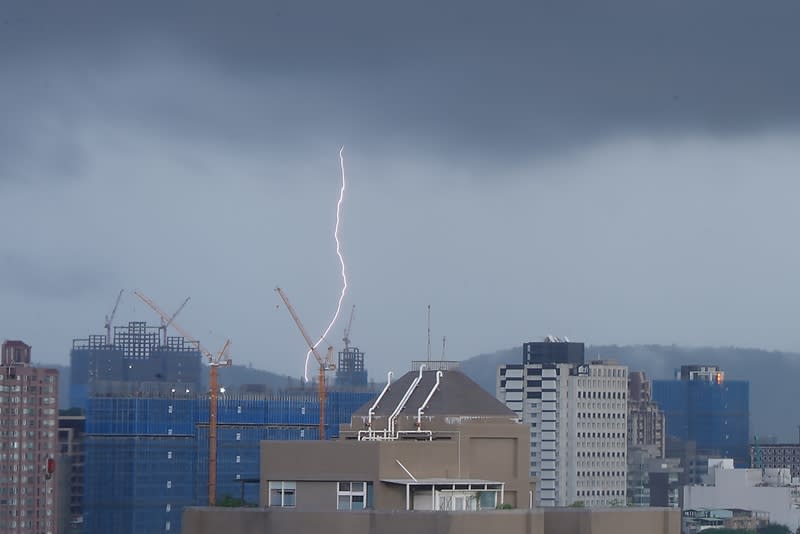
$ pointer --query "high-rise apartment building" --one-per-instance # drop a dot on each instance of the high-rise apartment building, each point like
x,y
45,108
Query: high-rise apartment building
x,y
703,407
577,416
28,443
645,419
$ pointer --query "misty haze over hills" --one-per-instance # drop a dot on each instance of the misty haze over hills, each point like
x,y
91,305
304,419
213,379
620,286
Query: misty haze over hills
x,y
772,376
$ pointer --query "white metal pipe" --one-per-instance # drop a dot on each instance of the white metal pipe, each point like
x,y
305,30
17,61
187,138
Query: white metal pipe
x,y
378,400
428,398
404,400
406,470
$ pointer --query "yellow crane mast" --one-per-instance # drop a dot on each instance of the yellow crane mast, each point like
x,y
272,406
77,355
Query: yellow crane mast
x,y
325,364
215,361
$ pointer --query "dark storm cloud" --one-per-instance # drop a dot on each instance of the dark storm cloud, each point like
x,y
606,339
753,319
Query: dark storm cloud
x,y
516,77
48,278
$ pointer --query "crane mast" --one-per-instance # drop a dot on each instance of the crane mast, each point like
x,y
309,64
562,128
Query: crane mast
x,y
325,364
215,361
346,338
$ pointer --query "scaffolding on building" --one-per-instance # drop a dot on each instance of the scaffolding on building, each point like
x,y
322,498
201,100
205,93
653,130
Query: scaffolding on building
x,y
146,457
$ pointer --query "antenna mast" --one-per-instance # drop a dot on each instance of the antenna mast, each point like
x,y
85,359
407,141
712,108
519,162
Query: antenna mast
x,y
429,333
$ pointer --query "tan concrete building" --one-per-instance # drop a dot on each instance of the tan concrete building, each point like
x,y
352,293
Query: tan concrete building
x,y
28,441
433,440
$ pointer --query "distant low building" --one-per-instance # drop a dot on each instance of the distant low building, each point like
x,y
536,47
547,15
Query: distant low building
x,y
770,492
696,520
776,456
653,481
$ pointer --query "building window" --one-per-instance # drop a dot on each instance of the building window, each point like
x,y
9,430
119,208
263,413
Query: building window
x,y
282,494
352,496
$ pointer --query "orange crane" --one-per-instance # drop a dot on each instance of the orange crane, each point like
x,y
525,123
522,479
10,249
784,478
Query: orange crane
x,y
110,318
215,361
325,364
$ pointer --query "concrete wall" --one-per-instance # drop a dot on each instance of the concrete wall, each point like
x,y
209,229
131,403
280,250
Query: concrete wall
x,y
496,451
550,521
612,521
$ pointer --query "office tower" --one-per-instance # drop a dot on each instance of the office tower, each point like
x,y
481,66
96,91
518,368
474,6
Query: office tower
x,y
703,407
28,443
553,350
577,416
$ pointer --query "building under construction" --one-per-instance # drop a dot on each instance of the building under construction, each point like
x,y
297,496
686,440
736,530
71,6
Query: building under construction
x,y
147,442
351,373
138,359
147,458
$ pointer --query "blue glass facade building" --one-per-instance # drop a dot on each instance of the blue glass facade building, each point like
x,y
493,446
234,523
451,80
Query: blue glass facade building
x,y
709,410
147,458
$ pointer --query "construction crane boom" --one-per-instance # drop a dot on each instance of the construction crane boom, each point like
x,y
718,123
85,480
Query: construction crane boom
x,y
215,361
110,318
325,364
302,328
166,324
166,318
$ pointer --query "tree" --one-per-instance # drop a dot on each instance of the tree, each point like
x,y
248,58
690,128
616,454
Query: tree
x,y
774,528
231,502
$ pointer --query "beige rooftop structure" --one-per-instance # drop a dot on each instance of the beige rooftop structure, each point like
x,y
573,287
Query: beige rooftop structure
x,y
432,440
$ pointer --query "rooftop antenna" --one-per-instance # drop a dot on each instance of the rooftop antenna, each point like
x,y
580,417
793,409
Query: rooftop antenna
x,y
444,342
429,333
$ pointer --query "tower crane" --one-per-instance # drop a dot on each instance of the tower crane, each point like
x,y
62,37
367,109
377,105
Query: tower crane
x,y
167,323
110,318
346,337
325,364
215,361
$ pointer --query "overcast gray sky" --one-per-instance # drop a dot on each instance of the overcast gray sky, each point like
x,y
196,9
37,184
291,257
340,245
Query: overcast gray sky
x,y
615,172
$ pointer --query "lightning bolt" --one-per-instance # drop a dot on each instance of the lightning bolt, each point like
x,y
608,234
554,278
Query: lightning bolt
x,y
341,262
